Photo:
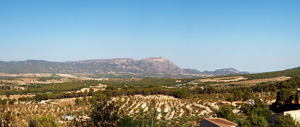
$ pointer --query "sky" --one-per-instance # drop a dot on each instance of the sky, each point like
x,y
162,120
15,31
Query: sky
x,y
253,35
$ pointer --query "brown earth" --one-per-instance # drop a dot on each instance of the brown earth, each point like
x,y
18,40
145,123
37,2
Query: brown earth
x,y
256,81
14,96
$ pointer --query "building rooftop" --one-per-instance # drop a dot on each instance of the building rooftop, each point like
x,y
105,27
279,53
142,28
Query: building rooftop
x,y
221,122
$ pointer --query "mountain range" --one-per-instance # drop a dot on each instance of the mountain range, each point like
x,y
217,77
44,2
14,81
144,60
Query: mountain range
x,y
148,67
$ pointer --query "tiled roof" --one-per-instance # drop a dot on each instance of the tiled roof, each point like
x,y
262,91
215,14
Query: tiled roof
x,y
221,122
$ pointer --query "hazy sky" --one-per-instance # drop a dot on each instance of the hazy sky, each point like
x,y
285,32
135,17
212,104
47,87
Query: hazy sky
x,y
252,35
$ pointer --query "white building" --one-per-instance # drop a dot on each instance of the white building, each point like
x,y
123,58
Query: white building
x,y
294,113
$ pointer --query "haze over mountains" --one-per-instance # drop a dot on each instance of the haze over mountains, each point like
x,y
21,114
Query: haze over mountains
x,y
148,67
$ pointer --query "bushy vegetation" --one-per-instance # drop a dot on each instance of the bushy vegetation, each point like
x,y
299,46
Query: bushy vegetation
x,y
6,119
105,113
67,86
225,111
295,72
42,121
7,101
232,94
43,79
257,115
53,87
143,82
285,121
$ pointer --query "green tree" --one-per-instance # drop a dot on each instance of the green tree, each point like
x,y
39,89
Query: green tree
x,y
105,114
92,100
297,98
6,119
42,121
246,108
11,101
4,101
77,101
265,112
242,121
182,93
284,96
39,97
101,97
111,88
8,93
153,113
126,121
258,103
229,98
285,121
256,121
140,118
225,111
237,95
246,95
84,100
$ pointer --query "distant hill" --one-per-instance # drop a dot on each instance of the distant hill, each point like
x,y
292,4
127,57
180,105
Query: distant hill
x,y
294,72
148,67
226,71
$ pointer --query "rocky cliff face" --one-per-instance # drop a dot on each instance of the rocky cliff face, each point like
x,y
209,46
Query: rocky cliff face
x,y
153,66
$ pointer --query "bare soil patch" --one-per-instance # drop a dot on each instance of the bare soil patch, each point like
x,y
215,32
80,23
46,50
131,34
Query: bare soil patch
x,y
15,96
256,81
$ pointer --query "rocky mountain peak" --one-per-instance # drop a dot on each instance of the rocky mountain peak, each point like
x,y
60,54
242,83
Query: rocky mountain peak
x,y
160,60
152,66
155,59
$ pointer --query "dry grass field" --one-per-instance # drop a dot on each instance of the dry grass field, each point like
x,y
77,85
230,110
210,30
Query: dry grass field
x,y
14,96
255,81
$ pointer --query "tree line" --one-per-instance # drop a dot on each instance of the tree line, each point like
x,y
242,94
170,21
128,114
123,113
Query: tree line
x,y
237,92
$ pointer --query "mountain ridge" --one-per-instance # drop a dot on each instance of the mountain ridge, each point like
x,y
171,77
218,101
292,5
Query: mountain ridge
x,y
147,67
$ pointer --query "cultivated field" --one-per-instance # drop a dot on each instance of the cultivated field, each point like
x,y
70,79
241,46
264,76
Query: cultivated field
x,y
222,79
255,81
168,108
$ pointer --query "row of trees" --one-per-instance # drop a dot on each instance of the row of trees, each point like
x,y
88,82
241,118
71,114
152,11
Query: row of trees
x,y
290,73
150,89
107,113
53,87
143,82
238,93
42,121
7,101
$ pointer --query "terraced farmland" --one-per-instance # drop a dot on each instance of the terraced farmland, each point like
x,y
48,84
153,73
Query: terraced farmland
x,y
167,106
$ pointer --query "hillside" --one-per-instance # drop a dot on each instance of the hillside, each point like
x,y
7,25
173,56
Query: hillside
x,y
148,67
294,72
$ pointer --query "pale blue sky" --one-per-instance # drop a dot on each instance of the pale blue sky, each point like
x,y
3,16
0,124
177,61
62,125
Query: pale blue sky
x,y
253,35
